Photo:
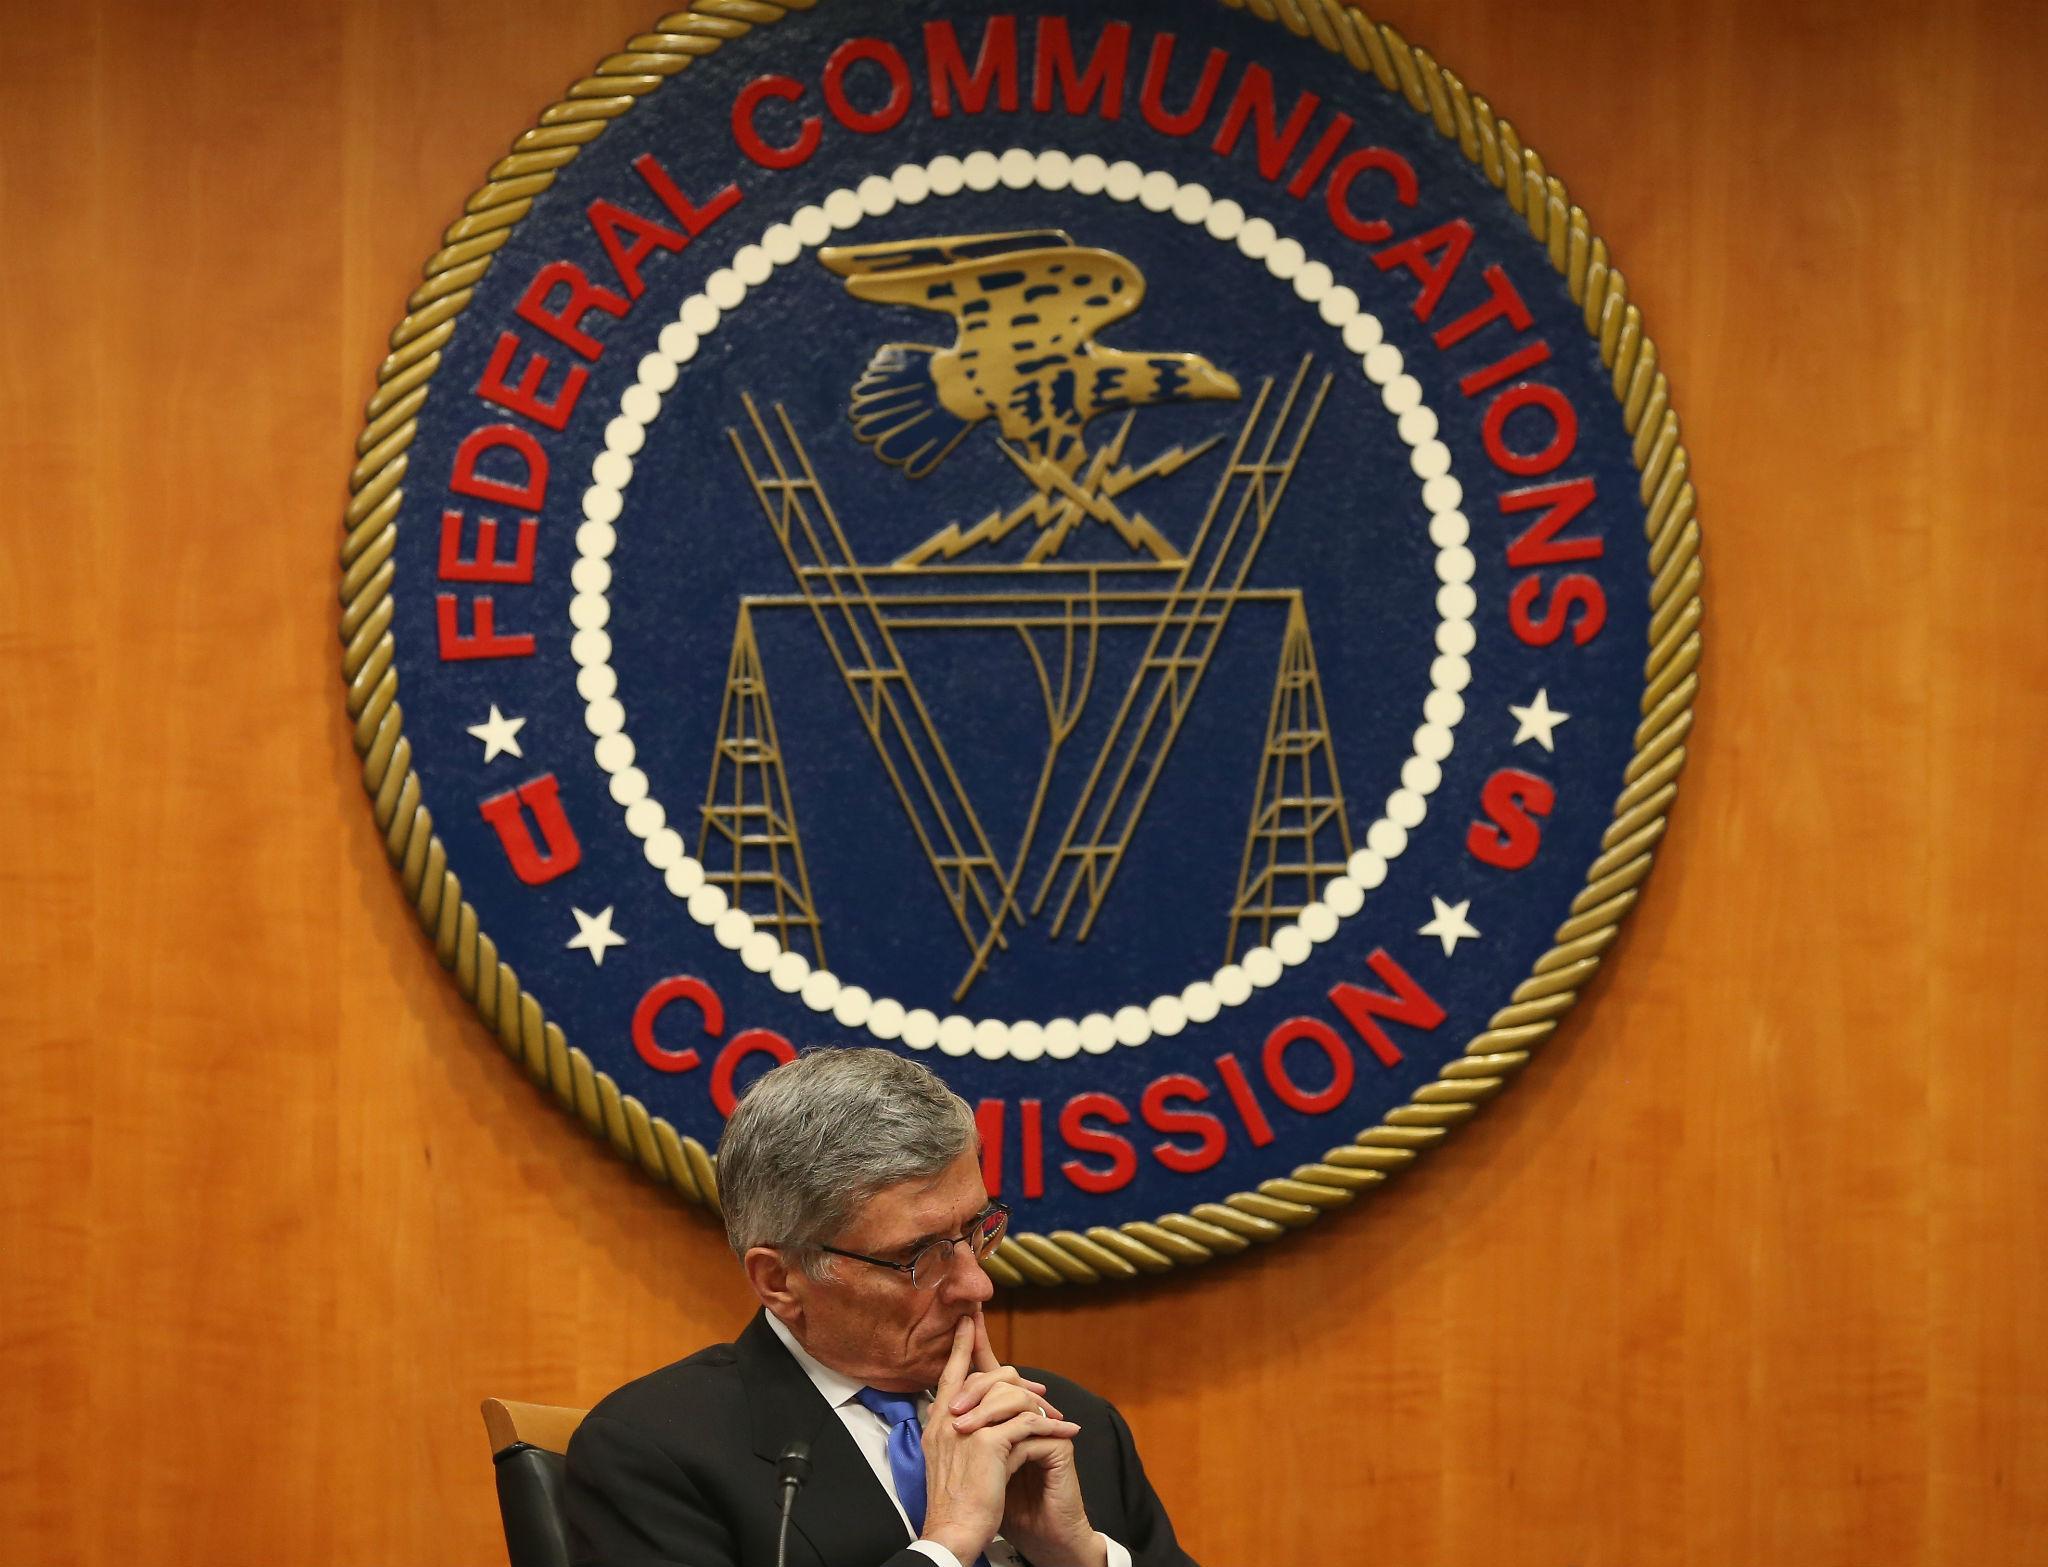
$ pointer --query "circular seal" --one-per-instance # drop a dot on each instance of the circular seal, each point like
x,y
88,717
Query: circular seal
x,y
1142,558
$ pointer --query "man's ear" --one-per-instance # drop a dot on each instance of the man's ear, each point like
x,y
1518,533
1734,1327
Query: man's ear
x,y
780,1286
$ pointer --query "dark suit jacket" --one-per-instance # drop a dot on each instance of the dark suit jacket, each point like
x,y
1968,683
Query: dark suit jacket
x,y
677,1469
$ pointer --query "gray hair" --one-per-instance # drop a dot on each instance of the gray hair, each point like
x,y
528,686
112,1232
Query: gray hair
x,y
815,1138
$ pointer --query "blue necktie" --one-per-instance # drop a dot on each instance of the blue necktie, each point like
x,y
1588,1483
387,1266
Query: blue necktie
x,y
906,1451
906,1448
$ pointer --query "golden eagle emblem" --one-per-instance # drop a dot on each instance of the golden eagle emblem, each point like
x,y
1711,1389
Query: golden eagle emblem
x,y
1026,307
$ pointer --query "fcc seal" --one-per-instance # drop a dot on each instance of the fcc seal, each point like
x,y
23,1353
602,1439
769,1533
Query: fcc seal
x,y
1139,555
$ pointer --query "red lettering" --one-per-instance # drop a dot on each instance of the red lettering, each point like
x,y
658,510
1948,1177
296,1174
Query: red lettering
x,y
629,239
1085,1138
1368,231
1156,1107
564,322
523,396
524,495
1149,97
1253,103
1576,591
995,68
1502,300
988,1127
482,640
1244,1101
1527,357
749,139
754,1042
1325,149
1324,1038
484,565
1512,799
1104,78
1031,1135
1564,428
1434,258
694,219
660,996
1407,1003
543,797
866,122
1538,544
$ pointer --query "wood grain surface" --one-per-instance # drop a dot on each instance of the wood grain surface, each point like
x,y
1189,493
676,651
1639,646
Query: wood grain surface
x,y
1751,1268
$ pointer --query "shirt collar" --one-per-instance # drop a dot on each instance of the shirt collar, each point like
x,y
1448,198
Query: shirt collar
x,y
836,1387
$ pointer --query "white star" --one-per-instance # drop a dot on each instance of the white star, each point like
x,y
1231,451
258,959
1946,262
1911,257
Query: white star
x,y
1450,925
498,734
1537,720
594,934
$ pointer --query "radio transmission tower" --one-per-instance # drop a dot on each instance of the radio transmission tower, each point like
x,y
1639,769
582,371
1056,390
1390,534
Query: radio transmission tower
x,y
1299,835
749,823
1205,594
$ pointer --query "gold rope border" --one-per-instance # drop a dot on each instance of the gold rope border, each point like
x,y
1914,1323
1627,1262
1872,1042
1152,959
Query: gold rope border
x,y
1214,1229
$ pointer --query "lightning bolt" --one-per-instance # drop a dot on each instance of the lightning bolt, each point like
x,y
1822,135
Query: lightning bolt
x,y
1096,496
953,540
1059,504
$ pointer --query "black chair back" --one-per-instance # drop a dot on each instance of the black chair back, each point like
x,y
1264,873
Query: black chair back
x,y
531,1481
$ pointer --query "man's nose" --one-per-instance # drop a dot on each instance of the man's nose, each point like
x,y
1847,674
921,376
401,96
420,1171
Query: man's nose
x,y
966,1279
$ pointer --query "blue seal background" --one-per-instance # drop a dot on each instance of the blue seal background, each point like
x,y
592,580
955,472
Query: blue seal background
x,y
1352,534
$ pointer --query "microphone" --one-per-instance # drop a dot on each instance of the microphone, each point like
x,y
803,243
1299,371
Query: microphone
x,y
791,1471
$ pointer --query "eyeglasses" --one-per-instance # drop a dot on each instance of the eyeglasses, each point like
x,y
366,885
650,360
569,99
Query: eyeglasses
x,y
983,1235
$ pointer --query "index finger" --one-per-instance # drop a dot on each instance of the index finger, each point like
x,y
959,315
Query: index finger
x,y
984,1352
957,1362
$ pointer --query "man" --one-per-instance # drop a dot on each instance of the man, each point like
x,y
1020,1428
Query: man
x,y
853,1198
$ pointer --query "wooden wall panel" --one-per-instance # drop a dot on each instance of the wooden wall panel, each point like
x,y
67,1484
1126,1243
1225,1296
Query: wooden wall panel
x,y
1749,1269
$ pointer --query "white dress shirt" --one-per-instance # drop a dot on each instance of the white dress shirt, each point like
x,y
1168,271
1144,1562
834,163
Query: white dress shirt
x,y
870,1433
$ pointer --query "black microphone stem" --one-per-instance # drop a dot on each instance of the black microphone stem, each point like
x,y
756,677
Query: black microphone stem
x,y
791,1472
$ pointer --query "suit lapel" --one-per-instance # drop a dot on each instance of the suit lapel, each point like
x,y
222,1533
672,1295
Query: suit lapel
x,y
842,1511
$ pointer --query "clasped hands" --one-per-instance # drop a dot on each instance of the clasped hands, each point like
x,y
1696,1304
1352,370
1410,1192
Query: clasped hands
x,y
999,1459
